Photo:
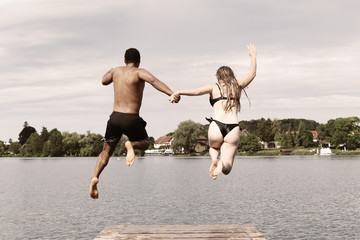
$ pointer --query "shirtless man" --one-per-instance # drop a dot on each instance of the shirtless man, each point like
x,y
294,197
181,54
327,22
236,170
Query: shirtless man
x,y
129,82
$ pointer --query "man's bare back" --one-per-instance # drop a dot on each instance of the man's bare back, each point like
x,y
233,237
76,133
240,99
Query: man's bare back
x,y
129,82
128,89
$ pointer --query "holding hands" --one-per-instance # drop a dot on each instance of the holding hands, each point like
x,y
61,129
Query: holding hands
x,y
175,97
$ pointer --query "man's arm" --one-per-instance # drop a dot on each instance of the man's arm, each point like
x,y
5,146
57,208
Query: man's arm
x,y
156,83
108,77
245,81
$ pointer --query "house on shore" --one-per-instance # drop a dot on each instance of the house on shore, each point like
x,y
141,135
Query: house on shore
x,y
163,142
202,144
162,146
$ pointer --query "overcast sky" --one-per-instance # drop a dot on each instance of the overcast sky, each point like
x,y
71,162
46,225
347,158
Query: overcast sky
x,y
54,53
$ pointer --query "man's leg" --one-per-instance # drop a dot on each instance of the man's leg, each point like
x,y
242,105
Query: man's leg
x,y
103,160
131,145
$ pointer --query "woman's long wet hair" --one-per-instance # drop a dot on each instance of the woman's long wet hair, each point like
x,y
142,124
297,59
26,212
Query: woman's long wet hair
x,y
225,76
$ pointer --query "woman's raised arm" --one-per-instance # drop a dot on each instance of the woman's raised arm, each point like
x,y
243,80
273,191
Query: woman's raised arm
x,y
245,81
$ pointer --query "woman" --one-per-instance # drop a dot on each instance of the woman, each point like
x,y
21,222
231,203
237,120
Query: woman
x,y
224,128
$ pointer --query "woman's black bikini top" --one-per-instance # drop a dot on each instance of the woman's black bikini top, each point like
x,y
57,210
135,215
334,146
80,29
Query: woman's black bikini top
x,y
213,101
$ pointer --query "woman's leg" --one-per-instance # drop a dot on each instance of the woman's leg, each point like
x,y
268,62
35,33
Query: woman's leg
x,y
214,154
215,141
228,150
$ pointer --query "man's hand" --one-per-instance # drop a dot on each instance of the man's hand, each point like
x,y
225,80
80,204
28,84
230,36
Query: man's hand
x,y
175,97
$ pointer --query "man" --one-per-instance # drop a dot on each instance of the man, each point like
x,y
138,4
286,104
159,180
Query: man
x,y
129,82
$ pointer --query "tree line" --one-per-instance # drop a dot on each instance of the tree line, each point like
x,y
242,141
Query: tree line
x,y
289,133
56,144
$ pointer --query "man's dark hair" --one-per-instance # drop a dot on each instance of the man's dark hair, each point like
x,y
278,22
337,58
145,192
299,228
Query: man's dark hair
x,y
132,55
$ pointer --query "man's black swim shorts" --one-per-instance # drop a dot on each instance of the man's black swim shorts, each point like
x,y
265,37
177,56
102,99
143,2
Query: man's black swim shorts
x,y
130,124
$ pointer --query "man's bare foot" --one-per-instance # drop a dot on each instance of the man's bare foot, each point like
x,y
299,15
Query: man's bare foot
x,y
130,157
212,168
94,193
217,170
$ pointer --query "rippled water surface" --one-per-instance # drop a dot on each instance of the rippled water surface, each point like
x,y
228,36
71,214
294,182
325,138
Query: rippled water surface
x,y
285,197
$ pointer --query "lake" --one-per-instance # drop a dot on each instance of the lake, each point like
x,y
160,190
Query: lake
x,y
285,197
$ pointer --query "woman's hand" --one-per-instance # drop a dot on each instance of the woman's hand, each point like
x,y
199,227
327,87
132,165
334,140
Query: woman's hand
x,y
245,81
252,50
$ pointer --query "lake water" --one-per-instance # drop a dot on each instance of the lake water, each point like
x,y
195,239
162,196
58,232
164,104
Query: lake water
x,y
285,197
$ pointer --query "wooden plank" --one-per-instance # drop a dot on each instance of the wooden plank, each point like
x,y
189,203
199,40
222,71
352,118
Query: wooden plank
x,y
239,232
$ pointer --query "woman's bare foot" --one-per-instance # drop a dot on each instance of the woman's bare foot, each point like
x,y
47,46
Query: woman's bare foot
x,y
212,168
217,170
94,193
130,157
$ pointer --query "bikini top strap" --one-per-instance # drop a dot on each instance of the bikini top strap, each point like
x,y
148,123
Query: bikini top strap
x,y
219,89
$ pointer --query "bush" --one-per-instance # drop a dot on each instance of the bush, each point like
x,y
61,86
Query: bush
x,y
268,153
340,152
303,152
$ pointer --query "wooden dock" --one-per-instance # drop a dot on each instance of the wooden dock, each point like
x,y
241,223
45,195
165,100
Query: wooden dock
x,y
239,232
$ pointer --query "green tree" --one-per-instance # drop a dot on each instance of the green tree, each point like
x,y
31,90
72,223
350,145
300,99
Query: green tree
x,y
294,124
340,131
353,141
205,130
304,137
25,133
338,137
323,134
249,144
90,145
276,129
293,139
286,140
71,146
152,141
265,130
24,150
308,139
54,146
44,135
251,126
34,145
186,135
46,152
14,148
2,148
343,127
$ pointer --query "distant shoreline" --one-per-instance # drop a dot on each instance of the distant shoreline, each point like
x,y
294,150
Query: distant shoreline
x,y
273,152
